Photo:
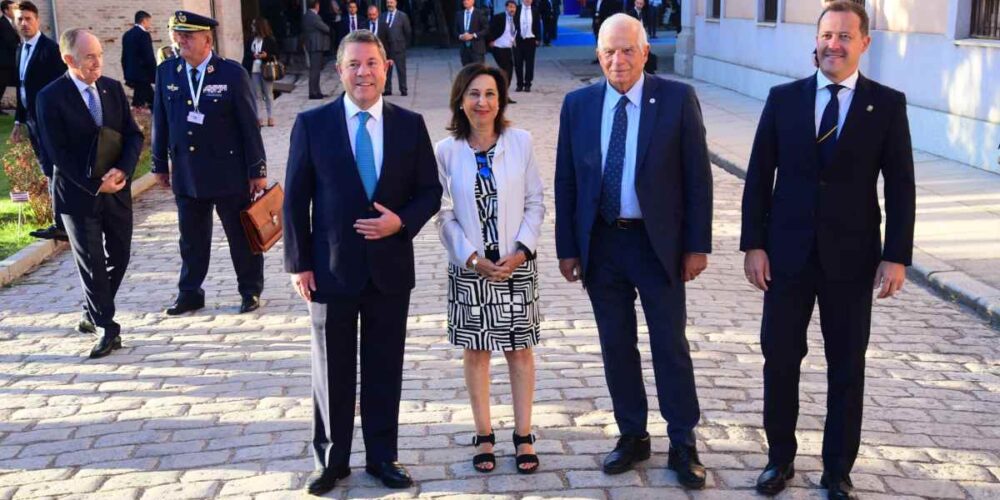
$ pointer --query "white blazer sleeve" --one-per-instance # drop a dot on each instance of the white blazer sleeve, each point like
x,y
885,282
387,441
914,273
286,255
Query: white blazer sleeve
x,y
534,205
449,229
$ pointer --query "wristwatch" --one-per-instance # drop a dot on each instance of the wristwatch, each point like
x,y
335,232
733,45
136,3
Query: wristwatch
x,y
475,261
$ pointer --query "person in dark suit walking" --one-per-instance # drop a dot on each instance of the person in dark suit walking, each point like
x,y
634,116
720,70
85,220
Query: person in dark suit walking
x,y
96,206
550,20
811,233
38,63
473,28
316,41
361,182
205,123
8,48
377,25
503,41
138,60
529,37
400,32
634,214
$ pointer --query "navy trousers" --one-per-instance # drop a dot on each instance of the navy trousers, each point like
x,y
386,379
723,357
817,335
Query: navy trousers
x,y
845,309
194,216
622,263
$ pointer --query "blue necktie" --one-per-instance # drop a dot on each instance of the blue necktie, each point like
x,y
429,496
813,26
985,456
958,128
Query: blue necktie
x,y
468,24
614,163
826,141
95,106
364,155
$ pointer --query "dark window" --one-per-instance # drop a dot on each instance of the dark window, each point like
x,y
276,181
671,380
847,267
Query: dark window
x,y
770,11
716,9
985,19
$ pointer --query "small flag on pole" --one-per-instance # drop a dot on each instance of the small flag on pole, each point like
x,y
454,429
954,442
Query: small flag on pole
x,y
16,197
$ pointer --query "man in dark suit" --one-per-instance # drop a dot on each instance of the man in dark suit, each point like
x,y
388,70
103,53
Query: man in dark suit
x,y
473,28
96,206
361,182
138,61
634,213
503,40
814,234
529,36
400,33
316,41
8,48
377,25
205,123
38,63
351,21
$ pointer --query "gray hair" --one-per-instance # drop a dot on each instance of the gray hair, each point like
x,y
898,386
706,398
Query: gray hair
x,y
360,36
70,38
619,19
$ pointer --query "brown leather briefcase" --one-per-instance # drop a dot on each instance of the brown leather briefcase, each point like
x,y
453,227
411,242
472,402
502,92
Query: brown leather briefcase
x,y
262,219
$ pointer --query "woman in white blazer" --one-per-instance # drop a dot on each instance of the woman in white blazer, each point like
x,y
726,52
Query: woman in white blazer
x,y
489,222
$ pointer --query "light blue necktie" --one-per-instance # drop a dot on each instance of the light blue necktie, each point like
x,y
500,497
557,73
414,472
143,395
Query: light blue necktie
x,y
95,106
611,186
364,155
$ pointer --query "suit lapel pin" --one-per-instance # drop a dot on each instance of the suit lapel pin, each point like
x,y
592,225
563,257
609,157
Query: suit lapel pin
x,y
870,108
652,100
210,69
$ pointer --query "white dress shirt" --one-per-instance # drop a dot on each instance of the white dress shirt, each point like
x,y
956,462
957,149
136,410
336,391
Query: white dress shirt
x,y
255,48
506,40
374,126
633,110
526,22
82,87
25,59
845,96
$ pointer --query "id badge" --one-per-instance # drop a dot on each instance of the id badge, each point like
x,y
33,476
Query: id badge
x,y
196,117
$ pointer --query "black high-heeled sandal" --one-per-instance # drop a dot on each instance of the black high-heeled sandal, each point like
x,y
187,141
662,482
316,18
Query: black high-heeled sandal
x,y
484,458
527,458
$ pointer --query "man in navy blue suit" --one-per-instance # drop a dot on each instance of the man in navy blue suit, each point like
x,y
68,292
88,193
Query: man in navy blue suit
x,y
138,61
95,206
38,64
813,234
634,213
205,123
361,182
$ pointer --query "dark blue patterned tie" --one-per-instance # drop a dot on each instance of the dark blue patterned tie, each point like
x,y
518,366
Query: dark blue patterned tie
x,y
826,140
614,163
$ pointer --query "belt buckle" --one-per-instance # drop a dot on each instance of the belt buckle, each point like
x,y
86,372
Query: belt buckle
x,y
621,224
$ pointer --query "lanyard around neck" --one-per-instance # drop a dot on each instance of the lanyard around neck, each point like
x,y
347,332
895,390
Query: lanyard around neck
x,y
196,94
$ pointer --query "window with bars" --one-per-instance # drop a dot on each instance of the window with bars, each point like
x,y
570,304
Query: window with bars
x,y
714,9
985,19
769,12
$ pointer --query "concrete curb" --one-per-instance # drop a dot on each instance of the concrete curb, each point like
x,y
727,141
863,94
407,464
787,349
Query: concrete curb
x,y
29,257
950,283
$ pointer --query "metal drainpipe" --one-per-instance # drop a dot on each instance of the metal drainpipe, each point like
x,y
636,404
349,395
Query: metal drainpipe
x,y
55,21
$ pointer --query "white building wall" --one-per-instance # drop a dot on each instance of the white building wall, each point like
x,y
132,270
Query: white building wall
x,y
952,84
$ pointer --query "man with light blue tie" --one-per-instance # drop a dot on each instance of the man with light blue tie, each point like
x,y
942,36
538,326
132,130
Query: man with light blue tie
x,y
634,218
351,213
473,29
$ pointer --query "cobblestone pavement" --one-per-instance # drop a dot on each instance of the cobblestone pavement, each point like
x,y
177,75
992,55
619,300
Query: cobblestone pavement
x,y
216,404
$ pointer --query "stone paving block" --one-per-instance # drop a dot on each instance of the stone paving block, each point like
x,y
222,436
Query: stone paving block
x,y
57,488
519,482
648,493
140,480
193,460
598,479
180,491
274,481
925,487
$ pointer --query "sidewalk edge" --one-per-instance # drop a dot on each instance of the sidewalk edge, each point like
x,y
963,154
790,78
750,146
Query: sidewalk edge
x,y
945,280
28,258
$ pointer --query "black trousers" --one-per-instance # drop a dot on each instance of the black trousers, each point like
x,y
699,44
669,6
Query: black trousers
x,y
101,244
505,61
315,67
524,61
551,28
195,221
399,63
622,261
334,374
142,94
468,55
845,318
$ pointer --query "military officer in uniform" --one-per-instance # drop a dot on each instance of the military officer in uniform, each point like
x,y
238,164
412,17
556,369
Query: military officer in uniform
x,y
205,123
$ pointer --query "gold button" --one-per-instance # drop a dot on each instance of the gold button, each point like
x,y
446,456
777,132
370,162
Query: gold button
x,y
215,100
189,102
190,132
191,148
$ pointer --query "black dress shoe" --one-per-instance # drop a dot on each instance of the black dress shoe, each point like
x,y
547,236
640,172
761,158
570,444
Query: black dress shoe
x,y
838,488
50,233
527,88
628,451
387,92
684,461
772,481
317,96
324,481
511,101
392,474
402,93
86,326
105,345
520,88
249,303
184,306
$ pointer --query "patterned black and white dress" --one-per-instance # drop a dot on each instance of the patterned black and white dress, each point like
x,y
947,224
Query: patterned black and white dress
x,y
488,315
